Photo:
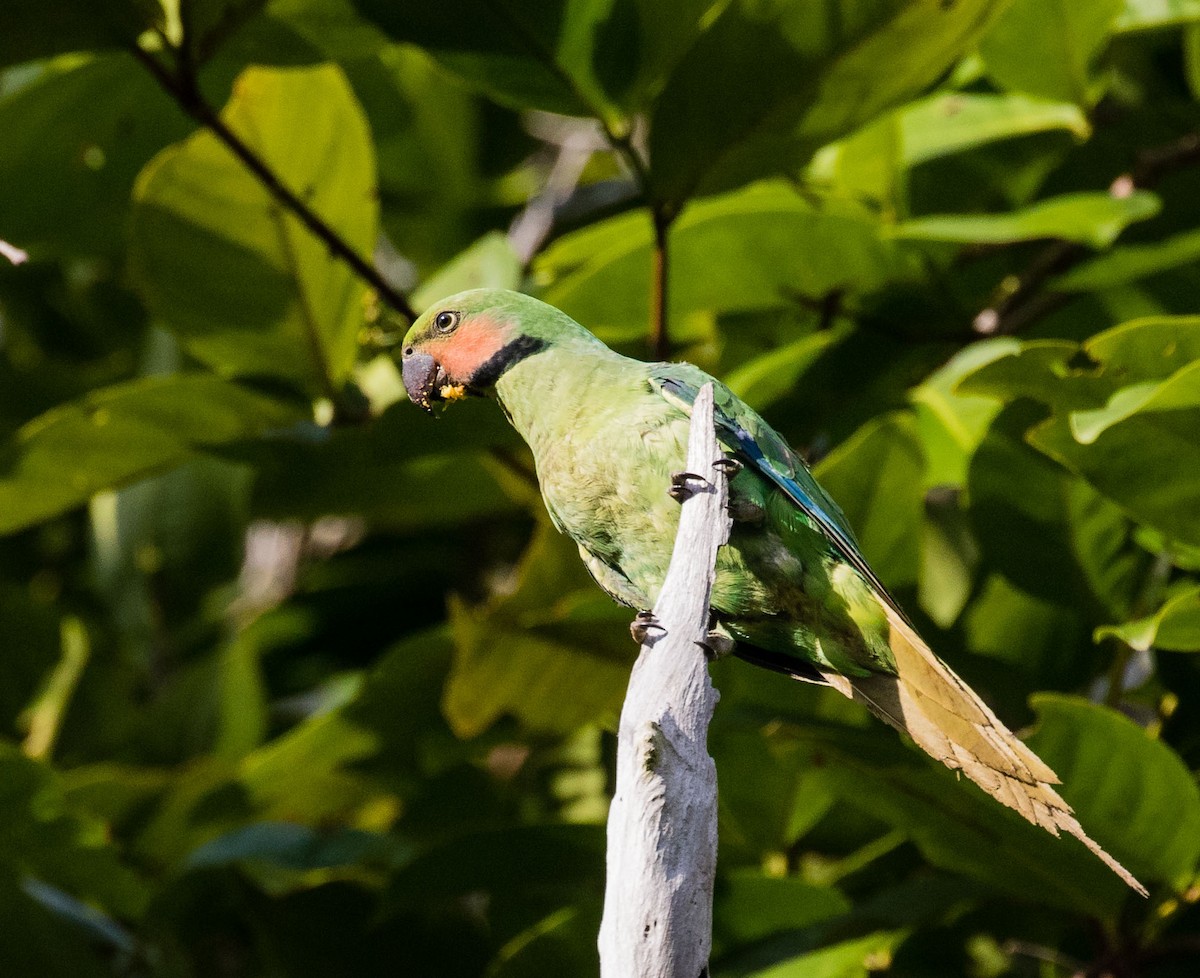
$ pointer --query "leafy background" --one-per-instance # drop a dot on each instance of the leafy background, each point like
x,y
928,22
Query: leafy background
x,y
296,681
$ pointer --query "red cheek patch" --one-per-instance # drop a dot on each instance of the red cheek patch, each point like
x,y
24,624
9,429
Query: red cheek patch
x,y
474,343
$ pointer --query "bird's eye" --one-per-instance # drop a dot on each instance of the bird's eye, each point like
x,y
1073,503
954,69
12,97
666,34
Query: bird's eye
x,y
444,322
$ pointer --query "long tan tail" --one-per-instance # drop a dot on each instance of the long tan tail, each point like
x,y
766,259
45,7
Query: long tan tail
x,y
952,724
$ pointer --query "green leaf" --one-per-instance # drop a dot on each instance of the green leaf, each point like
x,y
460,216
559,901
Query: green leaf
x,y
43,837
555,653
1178,392
595,58
956,826
765,379
1175,627
69,172
877,477
749,250
874,160
749,906
397,470
1048,47
1143,463
1140,15
1120,781
952,424
282,857
1093,219
1036,369
246,286
1191,58
1154,348
1023,504
490,263
122,433
855,958
771,793
1130,263
768,83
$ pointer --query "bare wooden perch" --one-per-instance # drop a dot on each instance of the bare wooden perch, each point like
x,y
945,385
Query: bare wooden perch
x,y
662,827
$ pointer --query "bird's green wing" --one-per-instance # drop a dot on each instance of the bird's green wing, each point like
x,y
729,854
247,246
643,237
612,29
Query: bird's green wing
x,y
757,444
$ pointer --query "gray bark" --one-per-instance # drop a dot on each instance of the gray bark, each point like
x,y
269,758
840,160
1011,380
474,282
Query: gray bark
x,y
662,827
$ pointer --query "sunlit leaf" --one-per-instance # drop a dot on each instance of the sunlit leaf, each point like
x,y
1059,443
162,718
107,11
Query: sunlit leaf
x,y
555,653
245,285
121,433
1175,627
874,159
855,958
1093,219
1120,780
1048,47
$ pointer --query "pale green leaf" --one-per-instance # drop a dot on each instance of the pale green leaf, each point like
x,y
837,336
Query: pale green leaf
x,y
1130,263
1175,627
1093,219
875,159
951,424
555,653
490,263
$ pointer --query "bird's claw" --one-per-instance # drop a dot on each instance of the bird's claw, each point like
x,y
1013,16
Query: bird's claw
x,y
641,626
729,466
718,643
681,485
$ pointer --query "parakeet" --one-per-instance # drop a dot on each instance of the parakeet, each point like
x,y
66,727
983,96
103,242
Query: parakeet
x,y
792,589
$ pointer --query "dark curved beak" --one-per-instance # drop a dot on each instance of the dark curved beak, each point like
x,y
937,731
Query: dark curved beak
x,y
423,379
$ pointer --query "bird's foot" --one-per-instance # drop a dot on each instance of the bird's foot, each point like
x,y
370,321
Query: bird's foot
x,y
728,465
643,623
718,643
683,485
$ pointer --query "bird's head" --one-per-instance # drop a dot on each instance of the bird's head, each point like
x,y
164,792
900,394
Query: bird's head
x,y
463,344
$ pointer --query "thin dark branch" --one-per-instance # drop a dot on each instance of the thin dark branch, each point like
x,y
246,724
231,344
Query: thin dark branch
x,y
1005,312
183,88
1151,165
1018,300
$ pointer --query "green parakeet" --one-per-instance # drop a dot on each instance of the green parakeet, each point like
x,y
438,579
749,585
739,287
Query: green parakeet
x,y
607,434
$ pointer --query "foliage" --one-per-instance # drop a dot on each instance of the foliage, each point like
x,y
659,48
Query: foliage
x,y
297,681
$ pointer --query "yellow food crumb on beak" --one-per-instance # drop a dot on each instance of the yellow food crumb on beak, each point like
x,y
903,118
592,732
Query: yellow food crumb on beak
x,y
453,392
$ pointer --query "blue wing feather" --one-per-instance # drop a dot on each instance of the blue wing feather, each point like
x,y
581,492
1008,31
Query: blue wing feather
x,y
821,510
